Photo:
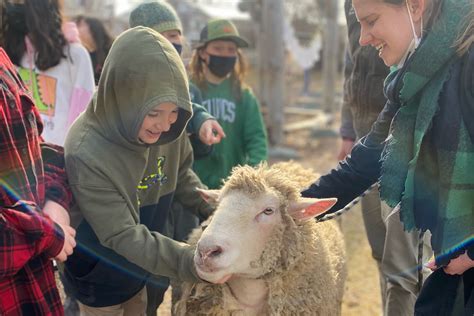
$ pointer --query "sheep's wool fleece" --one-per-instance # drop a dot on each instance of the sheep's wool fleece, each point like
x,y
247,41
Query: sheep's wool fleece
x,y
308,278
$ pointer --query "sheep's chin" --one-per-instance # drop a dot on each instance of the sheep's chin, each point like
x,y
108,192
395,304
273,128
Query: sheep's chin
x,y
216,278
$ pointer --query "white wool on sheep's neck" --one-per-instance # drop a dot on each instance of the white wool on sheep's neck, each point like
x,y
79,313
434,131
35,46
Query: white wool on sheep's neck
x,y
251,289
348,207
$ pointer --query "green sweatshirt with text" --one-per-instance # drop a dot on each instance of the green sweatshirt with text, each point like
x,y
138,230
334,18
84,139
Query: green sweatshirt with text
x,y
245,141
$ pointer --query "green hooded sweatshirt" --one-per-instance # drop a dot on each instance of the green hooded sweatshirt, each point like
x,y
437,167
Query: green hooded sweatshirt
x,y
246,139
123,188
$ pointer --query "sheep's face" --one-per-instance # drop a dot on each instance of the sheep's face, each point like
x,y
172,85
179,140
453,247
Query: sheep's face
x,y
246,232
236,236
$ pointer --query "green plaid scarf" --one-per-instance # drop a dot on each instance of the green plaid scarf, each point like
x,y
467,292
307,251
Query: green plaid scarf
x,y
408,157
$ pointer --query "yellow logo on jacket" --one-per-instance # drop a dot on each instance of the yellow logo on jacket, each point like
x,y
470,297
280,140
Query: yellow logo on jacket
x,y
158,177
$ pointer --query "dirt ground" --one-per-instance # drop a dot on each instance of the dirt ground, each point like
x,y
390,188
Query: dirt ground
x,y
362,291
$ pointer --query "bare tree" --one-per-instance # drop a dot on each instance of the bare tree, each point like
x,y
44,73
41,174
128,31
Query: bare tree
x,y
330,44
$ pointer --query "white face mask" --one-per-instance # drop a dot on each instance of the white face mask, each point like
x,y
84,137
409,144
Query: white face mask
x,y
415,42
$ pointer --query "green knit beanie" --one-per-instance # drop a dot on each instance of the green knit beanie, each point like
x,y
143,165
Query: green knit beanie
x,y
157,15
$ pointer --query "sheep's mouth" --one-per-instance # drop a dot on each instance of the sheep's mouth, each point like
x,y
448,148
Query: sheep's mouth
x,y
205,268
211,276
209,271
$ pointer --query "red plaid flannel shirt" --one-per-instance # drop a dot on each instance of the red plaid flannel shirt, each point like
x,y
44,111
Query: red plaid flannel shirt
x,y
28,239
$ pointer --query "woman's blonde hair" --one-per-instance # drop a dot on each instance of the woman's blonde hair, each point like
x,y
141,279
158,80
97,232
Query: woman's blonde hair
x,y
465,40
237,75
431,15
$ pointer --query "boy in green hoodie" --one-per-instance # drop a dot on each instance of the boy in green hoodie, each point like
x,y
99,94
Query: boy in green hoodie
x,y
126,158
203,130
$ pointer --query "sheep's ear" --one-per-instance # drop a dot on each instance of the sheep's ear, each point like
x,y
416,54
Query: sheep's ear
x,y
306,208
210,196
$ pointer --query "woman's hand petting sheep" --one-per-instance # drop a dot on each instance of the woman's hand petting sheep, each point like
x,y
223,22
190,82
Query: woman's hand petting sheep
x,y
211,132
456,266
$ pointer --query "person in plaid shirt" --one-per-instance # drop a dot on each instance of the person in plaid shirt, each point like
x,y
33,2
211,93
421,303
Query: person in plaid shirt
x,y
34,224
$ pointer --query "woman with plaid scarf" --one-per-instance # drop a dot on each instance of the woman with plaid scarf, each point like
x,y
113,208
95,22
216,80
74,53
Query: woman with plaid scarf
x,y
421,148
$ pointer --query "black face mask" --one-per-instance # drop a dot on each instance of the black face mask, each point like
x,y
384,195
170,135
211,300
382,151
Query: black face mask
x,y
16,17
221,66
178,47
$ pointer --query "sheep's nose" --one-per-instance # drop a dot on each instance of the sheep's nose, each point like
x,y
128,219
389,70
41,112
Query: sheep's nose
x,y
210,252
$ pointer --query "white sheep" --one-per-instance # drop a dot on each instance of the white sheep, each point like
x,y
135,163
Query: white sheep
x,y
265,251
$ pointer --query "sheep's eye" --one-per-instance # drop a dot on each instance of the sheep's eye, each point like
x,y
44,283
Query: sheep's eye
x,y
268,211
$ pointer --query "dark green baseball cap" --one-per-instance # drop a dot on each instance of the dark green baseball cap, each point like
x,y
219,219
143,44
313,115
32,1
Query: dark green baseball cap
x,y
221,29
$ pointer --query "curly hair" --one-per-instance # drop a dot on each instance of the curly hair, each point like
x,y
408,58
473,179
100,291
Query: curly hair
x,y
42,21
237,76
